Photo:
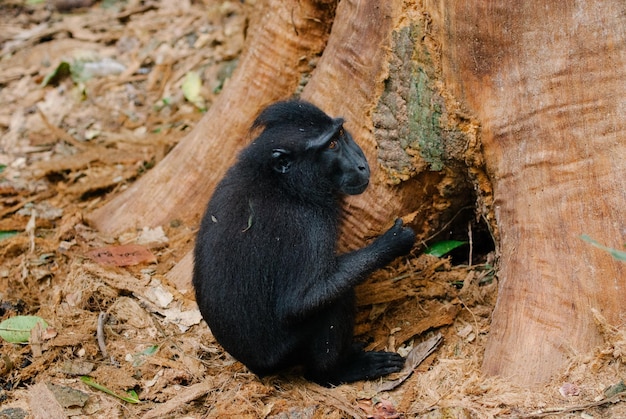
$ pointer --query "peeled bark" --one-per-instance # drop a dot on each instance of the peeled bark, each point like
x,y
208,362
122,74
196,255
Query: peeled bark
x,y
351,80
546,80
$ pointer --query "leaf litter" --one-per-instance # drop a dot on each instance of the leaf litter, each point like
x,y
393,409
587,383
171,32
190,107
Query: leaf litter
x,y
94,95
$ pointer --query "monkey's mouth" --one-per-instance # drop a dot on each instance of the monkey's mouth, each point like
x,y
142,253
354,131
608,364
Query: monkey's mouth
x,y
355,189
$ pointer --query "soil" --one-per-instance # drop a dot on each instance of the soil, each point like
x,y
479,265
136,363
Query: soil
x,y
94,95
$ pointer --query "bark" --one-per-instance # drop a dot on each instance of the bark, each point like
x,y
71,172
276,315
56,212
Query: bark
x,y
546,80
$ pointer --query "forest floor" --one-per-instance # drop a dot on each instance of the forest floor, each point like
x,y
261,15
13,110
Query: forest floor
x,y
95,96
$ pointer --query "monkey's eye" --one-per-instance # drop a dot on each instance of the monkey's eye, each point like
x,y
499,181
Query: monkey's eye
x,y
333,145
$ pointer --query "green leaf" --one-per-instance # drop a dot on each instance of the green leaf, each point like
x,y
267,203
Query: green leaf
x,y
615,389
617,254
7,234
192,85
131,398
17,329
150,350
62,71
442,248
140,357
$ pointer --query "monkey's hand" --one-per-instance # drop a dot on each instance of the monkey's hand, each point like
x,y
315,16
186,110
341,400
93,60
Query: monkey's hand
x,y
353,267
396,241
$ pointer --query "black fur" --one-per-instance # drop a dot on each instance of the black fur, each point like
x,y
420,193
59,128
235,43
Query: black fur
x,y
268,281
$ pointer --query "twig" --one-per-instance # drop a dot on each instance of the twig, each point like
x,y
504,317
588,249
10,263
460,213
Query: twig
x,y
35,340
471,242
58,132
446,225
31,226
136,10
100,334
620,397
473,315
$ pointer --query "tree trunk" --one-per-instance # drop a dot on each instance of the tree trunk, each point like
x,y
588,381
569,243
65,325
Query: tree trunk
x,y
547,82
412,81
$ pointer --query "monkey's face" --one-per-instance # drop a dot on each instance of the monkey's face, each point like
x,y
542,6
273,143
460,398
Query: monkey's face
x,y
330,162
345,164
306,153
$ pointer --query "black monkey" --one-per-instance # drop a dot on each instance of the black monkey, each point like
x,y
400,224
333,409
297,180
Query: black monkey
x,y
267,278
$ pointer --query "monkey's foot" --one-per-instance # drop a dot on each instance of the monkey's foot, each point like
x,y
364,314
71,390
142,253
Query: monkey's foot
x,y
362,366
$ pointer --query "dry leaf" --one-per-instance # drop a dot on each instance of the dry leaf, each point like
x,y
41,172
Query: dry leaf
x,y
381,409
123,255
415,357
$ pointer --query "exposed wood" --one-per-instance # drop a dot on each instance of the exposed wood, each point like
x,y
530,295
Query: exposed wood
x,y
546,80
355,79
348,81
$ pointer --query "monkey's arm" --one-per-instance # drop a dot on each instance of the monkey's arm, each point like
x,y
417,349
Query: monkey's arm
x,y
351,268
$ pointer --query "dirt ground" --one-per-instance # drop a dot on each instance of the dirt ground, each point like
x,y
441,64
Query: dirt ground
x,y
93,96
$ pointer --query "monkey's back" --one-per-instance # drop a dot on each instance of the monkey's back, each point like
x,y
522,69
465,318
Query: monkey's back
x,y
257,246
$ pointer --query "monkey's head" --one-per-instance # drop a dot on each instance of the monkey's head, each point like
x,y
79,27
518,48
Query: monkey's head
x,y
305,151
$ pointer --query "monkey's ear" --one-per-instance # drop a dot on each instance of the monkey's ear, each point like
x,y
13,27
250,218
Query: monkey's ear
x,y
325,137
281,160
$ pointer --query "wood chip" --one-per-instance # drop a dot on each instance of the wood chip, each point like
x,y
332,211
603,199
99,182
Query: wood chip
x,y
186,395
43,404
